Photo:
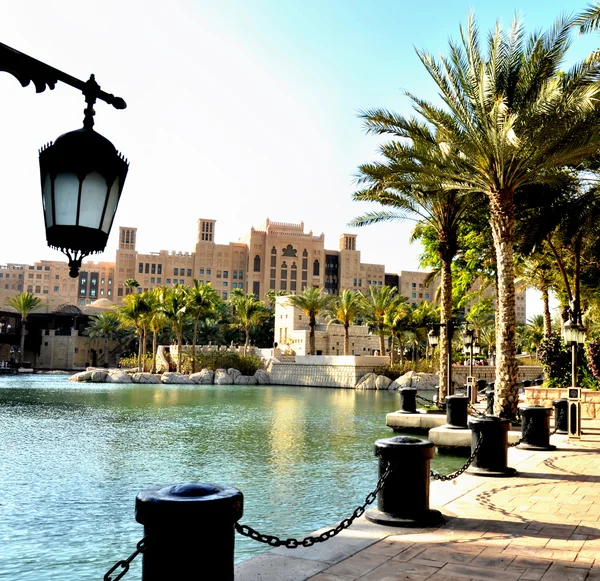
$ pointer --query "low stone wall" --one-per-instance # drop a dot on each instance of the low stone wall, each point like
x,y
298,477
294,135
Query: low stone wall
x,y
488,372
590,400
346,376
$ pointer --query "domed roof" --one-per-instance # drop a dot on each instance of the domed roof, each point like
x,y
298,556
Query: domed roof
x,y
67,309
102,304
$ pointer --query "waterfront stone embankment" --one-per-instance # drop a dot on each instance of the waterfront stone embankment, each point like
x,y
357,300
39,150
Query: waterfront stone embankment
x,y
203,377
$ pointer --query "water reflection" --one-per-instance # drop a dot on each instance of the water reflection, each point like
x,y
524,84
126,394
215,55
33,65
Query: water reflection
x,y
75,455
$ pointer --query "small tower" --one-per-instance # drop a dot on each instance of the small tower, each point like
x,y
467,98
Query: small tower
x,y
348,242
206,230
127,238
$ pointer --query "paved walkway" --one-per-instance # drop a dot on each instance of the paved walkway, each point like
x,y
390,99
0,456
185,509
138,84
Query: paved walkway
x,y
543,524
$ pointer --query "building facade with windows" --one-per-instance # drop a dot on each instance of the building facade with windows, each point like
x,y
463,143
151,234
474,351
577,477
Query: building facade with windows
x,y
274,256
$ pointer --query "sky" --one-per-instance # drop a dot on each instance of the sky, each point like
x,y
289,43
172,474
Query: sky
x,y
238,110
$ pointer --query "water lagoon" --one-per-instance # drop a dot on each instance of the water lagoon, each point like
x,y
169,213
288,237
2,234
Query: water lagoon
x,y
75,455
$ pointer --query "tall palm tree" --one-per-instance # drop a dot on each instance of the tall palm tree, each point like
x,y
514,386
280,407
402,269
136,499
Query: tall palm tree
x,y
249,312
312,302
345,309
510,117
103,326
203,301
24,303
130,284
378,302
436,210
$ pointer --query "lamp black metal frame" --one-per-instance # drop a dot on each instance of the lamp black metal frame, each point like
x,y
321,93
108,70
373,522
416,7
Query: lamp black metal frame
x,y
82,153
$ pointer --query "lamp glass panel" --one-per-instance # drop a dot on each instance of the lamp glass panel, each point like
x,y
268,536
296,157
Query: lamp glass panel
x,y
93,196
467,337
476,349
433,338
47,201
581,336
66,194
111,207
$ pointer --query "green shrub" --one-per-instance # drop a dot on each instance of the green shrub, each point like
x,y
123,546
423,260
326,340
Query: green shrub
x,y
246,365
593,358
556,361
399,369
131,361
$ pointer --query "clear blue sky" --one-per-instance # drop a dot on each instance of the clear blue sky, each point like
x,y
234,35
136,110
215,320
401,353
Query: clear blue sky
x,y
237,110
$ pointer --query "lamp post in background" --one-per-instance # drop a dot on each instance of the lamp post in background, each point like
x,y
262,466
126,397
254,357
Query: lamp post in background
x,y
574,335
82,174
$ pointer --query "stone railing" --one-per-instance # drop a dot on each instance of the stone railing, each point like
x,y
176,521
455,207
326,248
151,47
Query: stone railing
x,y
488,372
590,400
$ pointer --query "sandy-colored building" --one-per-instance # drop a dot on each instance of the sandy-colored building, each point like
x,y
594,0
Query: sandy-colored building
x,y
274,256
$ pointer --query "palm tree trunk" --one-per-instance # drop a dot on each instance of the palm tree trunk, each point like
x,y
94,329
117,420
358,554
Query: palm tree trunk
x,y
194,345
547,318
144,348
346,339
154,350
106,347
22,352
502,221
179,349
446,316
381,341
392,350
140,350
311,337
247,342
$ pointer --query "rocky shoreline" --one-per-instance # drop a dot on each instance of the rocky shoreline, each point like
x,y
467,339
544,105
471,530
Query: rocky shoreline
x,y
204,377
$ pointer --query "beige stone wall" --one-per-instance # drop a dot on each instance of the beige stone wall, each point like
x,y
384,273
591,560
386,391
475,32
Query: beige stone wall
x,y
544,396
70,351
412,285
345,376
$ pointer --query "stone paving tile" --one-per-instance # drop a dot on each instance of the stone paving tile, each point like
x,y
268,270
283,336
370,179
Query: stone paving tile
x,y
358,564
394,571
452,569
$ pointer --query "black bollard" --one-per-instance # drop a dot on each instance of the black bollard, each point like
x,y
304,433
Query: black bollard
x,y
491,458
526,383
481,385
189,530
456,412
561,420
490,402
403,500
535,430
408,403
538,381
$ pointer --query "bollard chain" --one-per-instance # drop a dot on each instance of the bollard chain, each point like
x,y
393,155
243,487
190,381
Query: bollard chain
x,y
309,541
124,564
475,410
445,477
424,399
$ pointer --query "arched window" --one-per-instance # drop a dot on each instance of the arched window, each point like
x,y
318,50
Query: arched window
x,y
316,268
294,271
273,250
289,251
257,263
284,270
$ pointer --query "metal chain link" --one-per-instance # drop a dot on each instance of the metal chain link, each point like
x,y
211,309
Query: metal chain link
x,y
309,541
445,477
475,410
424,399
124,564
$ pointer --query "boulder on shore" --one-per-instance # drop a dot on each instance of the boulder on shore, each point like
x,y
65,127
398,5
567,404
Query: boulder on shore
x,y
145,378
174,377
204,377
245,380
222,377
262,377
416,379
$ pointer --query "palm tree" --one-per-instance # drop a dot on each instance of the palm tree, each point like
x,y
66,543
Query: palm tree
x,y
132,313
130,284
535,332
510,118
203,302
396,320
345,309
103,326
379,301
312,302
249,312
435,210
174,304
24,303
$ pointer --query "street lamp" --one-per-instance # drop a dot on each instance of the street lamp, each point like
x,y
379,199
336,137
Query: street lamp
x,y
574,335
82,174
